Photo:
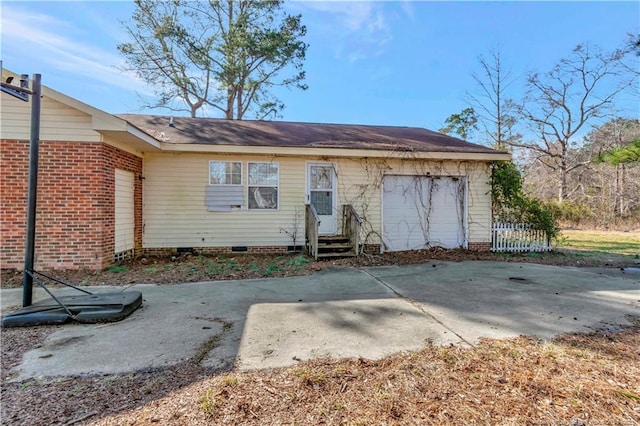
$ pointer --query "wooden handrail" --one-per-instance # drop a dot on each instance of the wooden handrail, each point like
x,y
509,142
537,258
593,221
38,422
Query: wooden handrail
x,y
351,222
311,226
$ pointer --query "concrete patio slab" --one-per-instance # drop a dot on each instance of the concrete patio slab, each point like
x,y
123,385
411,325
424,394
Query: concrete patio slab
x,y
502,300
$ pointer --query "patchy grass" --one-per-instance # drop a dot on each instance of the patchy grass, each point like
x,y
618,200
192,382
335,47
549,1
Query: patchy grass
x,y
623,243
117,269
298,262
575,379
271,269
151,270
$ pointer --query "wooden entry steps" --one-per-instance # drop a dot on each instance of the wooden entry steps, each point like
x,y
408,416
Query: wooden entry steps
x,y
335,246
323,247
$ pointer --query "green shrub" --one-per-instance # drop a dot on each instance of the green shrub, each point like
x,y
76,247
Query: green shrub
x,y
510,204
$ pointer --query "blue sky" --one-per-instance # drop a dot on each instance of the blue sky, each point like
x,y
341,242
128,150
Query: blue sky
x,y
393,63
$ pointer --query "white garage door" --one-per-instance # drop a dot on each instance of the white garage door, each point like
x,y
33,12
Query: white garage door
x,y
420,212
124,214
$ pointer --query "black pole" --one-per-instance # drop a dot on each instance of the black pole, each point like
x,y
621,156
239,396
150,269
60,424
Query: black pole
x,y
34,143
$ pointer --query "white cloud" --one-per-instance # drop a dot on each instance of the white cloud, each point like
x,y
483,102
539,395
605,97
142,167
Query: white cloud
x,y
359,29
49,40
407,8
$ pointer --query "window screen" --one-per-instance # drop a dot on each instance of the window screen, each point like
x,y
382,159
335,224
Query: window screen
x,y
262,186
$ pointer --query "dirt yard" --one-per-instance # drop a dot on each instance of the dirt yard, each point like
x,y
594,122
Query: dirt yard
x,y
576,379
190,268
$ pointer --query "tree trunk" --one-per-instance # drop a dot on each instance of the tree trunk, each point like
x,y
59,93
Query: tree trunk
x,y
229,109
620,184
239,102
230,88
562,189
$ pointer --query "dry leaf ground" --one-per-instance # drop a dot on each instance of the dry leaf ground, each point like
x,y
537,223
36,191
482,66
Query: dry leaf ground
x,y
575,379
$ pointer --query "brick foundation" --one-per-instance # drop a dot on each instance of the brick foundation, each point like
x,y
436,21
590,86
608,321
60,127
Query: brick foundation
x,y
212,251
75,221
480,246
371,249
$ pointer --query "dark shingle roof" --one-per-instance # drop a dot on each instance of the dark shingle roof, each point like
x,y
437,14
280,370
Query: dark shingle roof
x,y
213,131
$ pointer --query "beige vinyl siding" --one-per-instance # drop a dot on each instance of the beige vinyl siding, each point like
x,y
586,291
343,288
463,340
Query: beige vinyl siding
x,y
175,212
359,185
58,122
479,202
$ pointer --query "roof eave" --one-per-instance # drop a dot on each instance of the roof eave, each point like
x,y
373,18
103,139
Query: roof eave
x,y
334,152
133,138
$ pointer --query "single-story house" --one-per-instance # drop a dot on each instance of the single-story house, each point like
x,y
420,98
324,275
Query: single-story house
x,y
111,186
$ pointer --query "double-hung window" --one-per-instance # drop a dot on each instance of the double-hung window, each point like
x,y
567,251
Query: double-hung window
x,y
262,186
225,173
224,192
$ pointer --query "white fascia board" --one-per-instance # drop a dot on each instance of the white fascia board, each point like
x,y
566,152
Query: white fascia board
x,y
333,152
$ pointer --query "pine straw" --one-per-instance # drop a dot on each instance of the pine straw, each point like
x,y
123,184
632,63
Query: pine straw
x,y
576,379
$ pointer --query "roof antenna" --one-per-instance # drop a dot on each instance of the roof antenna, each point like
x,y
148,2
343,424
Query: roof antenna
x,y
171,122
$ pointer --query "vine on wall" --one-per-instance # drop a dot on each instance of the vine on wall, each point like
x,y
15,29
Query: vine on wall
x,y
365,197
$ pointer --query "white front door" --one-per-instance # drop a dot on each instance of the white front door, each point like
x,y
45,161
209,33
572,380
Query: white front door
x,y
321,193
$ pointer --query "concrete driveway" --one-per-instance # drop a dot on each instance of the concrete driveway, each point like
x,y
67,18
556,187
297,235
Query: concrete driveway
x,y
370,313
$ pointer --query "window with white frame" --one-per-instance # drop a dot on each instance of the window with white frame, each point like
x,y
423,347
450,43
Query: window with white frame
x,y
225,173
262,185
224,192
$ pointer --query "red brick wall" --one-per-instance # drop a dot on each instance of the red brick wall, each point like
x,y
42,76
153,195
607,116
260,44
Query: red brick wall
x,y
76,203
14,160
480,246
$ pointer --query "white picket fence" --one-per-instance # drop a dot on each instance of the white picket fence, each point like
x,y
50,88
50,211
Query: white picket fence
x,y
518,237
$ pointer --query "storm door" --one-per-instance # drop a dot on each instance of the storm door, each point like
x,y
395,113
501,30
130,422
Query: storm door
x,y
321,193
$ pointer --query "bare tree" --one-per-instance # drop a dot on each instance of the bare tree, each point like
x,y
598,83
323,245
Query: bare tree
x,y
562,102
495,110
224,54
